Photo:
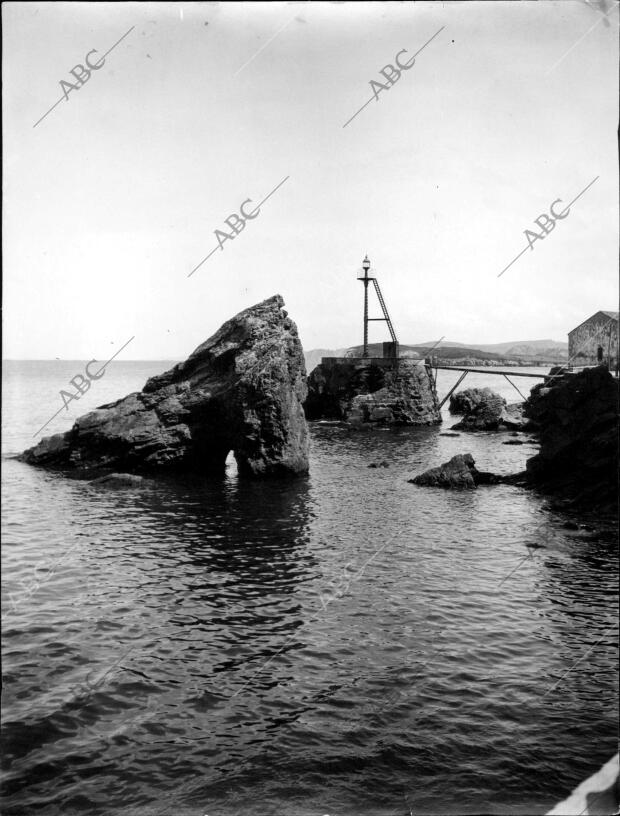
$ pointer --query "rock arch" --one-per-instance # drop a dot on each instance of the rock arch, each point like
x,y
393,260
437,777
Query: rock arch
x,y
241,390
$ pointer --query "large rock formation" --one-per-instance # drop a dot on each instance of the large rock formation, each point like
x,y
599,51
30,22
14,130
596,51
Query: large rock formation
x,y
577,420
459,472
367,392
241,390
484,410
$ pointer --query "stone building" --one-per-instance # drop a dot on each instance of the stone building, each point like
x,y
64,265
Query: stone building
x,y
595,341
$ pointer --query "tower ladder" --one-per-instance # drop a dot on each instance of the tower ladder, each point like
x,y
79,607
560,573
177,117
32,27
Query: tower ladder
x,y
385,311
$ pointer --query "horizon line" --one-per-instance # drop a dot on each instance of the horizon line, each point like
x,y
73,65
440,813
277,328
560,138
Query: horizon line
x,y
472,346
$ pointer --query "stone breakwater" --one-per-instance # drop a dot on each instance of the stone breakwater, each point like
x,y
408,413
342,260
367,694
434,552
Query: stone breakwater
x,y
241,390
367,392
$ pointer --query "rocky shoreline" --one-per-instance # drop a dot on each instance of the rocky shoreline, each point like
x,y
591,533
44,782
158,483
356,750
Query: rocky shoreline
x,y
575,419
245,390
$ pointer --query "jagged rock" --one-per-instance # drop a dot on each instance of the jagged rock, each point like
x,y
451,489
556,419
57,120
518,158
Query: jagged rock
x,y
485,411
241,390
464,402
364,392
512,416
577,418
459,472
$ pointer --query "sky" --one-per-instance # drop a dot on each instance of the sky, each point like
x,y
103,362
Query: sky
x,y
115,195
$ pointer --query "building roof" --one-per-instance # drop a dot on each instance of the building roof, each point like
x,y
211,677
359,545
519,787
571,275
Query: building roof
x,y
610,315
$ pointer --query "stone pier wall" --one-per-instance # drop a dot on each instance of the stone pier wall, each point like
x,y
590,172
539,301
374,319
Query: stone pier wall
x,y
372,391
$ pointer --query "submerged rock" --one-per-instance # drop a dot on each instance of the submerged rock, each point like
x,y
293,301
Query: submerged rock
x,y
118,480
372,392
459,472
241,390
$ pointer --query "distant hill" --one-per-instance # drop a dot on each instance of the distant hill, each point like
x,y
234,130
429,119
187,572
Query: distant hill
x,y
503,348
534,348
518,350
313,357
457,352
419,351
441,343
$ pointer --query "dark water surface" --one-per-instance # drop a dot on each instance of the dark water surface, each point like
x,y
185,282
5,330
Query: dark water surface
x,y
343,644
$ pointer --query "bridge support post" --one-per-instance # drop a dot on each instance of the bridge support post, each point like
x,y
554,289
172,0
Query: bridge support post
x,y
454,387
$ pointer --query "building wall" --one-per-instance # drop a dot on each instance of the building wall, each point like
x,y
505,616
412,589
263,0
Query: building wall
x,y
583,342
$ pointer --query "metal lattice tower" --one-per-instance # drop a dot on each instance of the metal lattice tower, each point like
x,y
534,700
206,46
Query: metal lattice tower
x,y
386,317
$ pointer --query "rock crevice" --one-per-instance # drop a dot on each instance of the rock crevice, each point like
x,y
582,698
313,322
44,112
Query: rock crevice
x,y
485,410
576,416
372,393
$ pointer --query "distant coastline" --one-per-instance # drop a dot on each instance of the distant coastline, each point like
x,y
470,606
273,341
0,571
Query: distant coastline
x,y
520,353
